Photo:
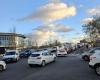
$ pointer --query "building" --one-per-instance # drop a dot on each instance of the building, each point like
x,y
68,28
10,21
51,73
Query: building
x,y
12,40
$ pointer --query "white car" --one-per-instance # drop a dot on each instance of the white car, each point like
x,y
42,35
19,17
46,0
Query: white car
x,y
11,55
41,58
2,65
86,55
61,51
95,61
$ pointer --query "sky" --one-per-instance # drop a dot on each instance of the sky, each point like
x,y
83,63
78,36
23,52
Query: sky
x,y
59,17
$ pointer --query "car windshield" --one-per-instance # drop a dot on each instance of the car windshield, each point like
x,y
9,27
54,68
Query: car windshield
x,y
35,55
53,51
38,50
27,51
10,53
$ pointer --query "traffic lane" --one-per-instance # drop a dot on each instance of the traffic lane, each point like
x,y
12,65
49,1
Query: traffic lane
x,y
17,71
69,68
65,68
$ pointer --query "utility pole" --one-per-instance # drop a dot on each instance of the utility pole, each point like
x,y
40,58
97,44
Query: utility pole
x,y
14,36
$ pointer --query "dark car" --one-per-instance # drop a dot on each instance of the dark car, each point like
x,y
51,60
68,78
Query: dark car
x,y
25,54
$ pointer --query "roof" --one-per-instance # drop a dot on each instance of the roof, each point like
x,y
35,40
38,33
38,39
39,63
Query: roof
x,y
40,52
11,34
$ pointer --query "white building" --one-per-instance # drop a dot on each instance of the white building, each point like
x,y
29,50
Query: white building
x,y
12,40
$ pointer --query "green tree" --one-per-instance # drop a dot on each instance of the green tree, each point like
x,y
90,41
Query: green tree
x,y
92,28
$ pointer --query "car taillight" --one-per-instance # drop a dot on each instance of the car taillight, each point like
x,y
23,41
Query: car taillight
x,y
91,58
38,57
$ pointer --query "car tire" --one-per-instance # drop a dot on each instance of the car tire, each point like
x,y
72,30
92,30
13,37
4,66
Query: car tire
x,y
30,65
16,60
1,68
97,69
43,63
54,59
86,58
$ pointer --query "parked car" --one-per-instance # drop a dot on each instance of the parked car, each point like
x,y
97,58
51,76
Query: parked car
x,y
11,55
53,51
2,65
41,58
95,62
86,55
61,51
25,54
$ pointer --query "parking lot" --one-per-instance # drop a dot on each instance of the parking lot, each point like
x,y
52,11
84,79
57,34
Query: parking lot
x,y
65,68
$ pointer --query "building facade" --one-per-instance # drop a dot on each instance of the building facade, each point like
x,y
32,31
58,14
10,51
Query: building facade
x,y
12,40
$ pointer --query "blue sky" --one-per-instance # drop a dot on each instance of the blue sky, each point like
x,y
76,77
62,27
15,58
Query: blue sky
x,y
12,10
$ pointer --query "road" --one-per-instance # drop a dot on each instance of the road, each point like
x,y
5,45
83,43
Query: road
x,y
65,68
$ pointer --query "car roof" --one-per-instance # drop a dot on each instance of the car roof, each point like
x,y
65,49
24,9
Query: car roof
x,y
40,52
11,50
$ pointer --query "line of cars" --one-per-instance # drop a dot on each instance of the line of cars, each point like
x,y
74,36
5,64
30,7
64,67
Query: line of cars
x,y
36,57
93,56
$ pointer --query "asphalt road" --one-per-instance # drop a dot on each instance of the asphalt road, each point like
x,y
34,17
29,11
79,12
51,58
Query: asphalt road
x,y
65,68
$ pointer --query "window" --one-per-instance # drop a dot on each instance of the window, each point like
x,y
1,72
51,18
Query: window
x,y
35,55
45,53
10,53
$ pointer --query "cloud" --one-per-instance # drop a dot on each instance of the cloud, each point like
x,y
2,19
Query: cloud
x,y
94,11
54,28
81,5
41,37
77,39
87,20
52,12
55,1
44,33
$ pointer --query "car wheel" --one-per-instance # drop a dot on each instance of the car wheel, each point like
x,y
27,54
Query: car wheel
x,y
1,68
31,65
16,60
54,59
43,63
86,58
97,69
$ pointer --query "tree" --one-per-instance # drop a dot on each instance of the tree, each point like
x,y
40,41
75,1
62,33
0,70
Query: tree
x,y
92,28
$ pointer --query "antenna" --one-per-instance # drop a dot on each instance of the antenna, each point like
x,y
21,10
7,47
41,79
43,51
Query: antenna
x,y
14,29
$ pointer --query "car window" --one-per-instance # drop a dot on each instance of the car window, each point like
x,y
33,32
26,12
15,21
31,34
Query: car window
x,y
16,53
92,51
35,55
10,53
53,51
97,48
45,53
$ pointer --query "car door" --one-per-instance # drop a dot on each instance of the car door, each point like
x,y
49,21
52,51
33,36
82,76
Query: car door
x,y
45,57
51,57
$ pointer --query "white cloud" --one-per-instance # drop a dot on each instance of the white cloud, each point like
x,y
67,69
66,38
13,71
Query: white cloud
x,y
55,1
44,33
52,12
41,37
54,28
94,11
77,39
87,20
81,5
